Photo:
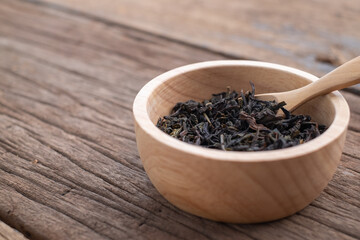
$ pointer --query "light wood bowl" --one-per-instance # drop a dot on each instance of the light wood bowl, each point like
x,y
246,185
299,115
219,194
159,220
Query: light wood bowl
x,y
239,187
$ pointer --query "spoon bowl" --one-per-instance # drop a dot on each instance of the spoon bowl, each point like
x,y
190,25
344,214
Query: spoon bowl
x,y
239,187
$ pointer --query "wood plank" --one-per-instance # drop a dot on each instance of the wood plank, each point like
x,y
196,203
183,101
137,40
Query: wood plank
x,y
69,167
281,32
8,233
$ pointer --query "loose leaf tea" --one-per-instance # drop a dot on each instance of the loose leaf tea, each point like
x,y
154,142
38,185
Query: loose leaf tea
x,y
238,122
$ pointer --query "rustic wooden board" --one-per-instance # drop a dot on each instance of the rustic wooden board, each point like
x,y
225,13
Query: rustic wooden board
x,y
8,233
312,35
69,167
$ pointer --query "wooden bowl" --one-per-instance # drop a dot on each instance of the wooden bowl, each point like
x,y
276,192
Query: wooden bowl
x,y
238,187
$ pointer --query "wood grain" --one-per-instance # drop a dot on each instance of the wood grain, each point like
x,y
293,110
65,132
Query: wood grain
x,y
312,35
69,167
8,233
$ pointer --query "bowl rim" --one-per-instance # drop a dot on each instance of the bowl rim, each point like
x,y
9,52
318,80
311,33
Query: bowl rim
x,y
141,117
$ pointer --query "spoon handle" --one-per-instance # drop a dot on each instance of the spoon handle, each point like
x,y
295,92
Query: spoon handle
x,y
344,76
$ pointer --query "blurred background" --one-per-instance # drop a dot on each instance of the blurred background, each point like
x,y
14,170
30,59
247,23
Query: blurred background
x,y
314,35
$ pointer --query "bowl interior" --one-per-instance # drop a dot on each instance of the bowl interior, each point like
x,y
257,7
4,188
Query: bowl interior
x,y
199,84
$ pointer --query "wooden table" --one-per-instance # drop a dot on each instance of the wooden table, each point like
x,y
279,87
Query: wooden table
x,y
69,72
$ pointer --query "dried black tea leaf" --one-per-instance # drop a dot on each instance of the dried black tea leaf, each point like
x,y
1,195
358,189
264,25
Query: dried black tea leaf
x,y
238,122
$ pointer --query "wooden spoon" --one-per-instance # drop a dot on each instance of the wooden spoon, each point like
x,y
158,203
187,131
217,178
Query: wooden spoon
x,y
344,76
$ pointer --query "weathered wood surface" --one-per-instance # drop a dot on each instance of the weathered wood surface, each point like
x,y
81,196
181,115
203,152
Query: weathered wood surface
x,y
312,35
8,233
69,167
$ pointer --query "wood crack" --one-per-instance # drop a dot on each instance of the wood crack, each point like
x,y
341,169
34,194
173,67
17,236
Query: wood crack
x,y
335,228
231,226
84,44
75,134
111,102
73,185
110,23
84,141
333,212
353,156
336,197
70,186
354,129
67,70
28,196
58,90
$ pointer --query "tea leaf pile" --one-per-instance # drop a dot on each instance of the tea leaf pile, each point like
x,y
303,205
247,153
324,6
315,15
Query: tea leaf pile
x,y
238,122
